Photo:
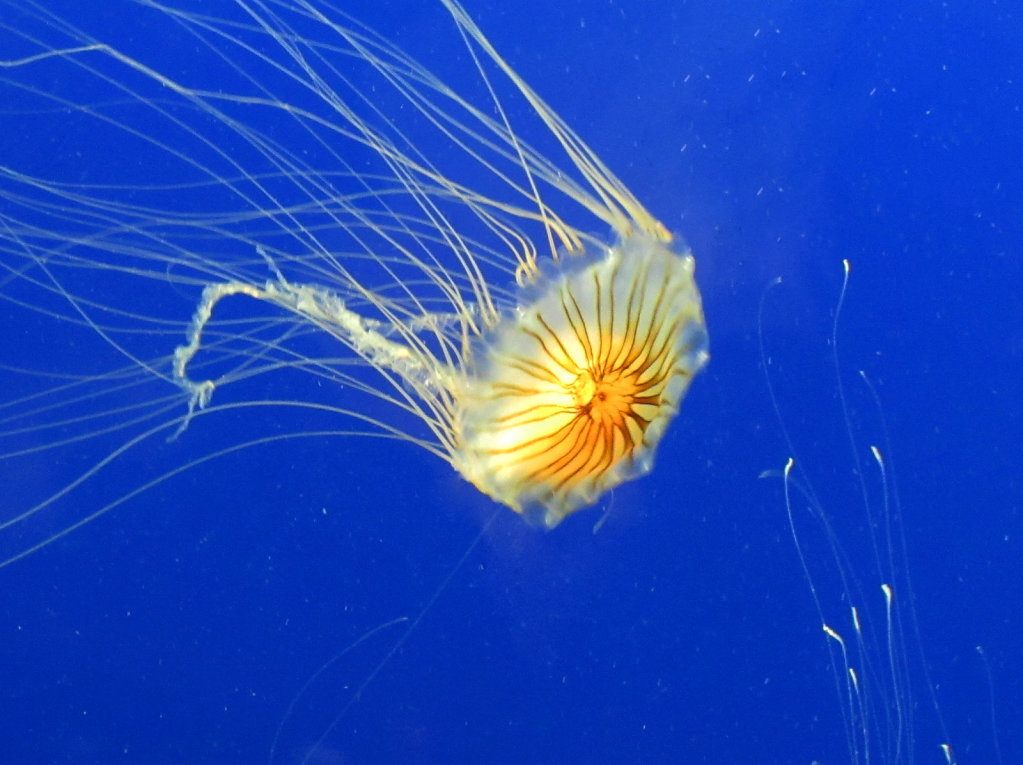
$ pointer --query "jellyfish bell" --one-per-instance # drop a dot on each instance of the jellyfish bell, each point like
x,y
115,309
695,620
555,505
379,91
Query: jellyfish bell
x,y
570,397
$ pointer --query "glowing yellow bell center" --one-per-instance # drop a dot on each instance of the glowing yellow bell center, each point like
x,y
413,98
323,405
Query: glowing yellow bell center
x,y
604,399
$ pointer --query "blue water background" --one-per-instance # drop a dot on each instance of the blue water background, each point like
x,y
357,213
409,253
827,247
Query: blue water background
x,y
779,139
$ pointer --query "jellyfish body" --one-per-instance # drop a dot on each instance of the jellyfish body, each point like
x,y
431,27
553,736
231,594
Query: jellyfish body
x,y
574,390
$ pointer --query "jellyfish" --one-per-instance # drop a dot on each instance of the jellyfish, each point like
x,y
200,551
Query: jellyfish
x,y
543,363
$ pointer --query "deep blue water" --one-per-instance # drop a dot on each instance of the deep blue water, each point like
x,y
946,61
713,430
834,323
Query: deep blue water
x,y
778,139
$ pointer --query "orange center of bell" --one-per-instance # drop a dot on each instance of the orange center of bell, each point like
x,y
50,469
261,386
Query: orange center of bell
x,y
605,399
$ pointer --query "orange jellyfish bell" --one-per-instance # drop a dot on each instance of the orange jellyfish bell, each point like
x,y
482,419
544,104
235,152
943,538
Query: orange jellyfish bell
x,y
571,393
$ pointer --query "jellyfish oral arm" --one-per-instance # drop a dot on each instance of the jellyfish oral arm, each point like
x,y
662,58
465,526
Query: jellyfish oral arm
x,y
316,304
